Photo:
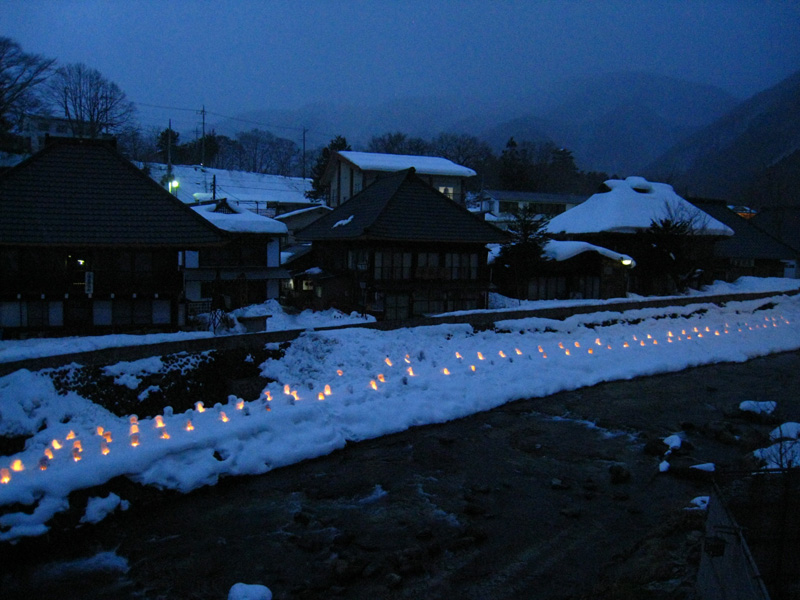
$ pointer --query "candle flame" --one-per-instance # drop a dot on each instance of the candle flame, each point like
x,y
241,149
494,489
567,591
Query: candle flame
x,y
502,354
381,378
626,345
43,464
635,339
609,346
669,334
407,359
294,395
518,351
104,449
655,342
320,396
458,355
159,421
17,466
107,436
480,356
189,426
164,435
56,445
198,406
566,352
446,371
135,440
388,361
100,430
76,455
134,419
540,349
48,453
591,351
71,435
327,390
268,395
240,405
577,344
561,345
649,337
223,417
134,429
77,446
374,385
641,343
5,476
544,355
339,372
287,390
472,367
598,342
410,371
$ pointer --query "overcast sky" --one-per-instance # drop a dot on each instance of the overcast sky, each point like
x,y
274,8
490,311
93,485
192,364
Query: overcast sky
x,y
239,55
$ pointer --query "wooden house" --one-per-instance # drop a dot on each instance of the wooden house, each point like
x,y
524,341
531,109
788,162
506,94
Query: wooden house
x,y
90,244
350,172
246,270
397,249
619,218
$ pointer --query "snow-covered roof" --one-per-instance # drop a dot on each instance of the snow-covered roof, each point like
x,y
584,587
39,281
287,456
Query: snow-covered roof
x,y
555,250
631,206
424,165
301,211
240,220
237,186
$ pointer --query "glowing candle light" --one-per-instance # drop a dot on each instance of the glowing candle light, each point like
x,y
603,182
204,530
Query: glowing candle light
x,y
655,342
649,337
77,446
410,372
43,464
561,345
480,356
458,355
598,342
320,396
540,349
71,435
134,419
688,337
669,340
287,390
591,351
373,384
159,422
472,367
189,426
446,371
381,378
566,352
641,343
48,453
339,372
625,345
295,395
609,346
387,361
518,351
683,332
699,335
107,436
100,430
544,355
5,476
198,406
669,334
502,354
56,445
240,405
695,329
708,330
268,395
635,339
134,429
76,455
577,344
17,466
135,440
223,417
327,390
104,449
164,435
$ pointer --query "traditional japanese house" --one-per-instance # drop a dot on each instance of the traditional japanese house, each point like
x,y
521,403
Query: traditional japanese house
x,y
90,244
398,249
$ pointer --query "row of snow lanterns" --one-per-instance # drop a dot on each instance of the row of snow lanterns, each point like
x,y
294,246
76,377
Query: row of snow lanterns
x,y
158,421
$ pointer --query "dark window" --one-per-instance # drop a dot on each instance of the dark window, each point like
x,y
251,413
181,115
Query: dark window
x,y
142,312
122,312
38,314
396,306
392,265
461,265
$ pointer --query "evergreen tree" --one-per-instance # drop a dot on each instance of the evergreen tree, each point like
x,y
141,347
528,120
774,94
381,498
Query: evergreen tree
x,y
318,170
520,258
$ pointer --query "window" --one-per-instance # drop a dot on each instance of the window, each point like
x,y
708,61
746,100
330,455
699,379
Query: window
x,y
447,190
461,265
396,306
392,265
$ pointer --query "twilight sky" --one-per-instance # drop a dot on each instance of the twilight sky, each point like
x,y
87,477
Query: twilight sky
x,y
239,55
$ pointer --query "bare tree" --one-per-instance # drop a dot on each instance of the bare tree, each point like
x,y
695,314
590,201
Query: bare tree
x,y
20,76
92,104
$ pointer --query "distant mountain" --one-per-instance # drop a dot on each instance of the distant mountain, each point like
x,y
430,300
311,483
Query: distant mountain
x,y
751,154
616,123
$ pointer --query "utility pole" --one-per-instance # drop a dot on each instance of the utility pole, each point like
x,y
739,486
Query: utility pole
x,y
203,139
304,152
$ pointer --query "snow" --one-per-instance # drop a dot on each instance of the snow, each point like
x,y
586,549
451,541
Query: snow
x,y
351,384
241,220
699,503
786,431
249,189
98,508
243,591
342,223
673,442
557,250
759,408
425,165
623,209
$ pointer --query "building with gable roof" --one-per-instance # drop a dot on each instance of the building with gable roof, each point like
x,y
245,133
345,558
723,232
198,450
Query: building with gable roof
x,y
397,249
90,244
350,172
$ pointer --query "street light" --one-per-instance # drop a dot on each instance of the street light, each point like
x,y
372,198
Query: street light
x,y
173,186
